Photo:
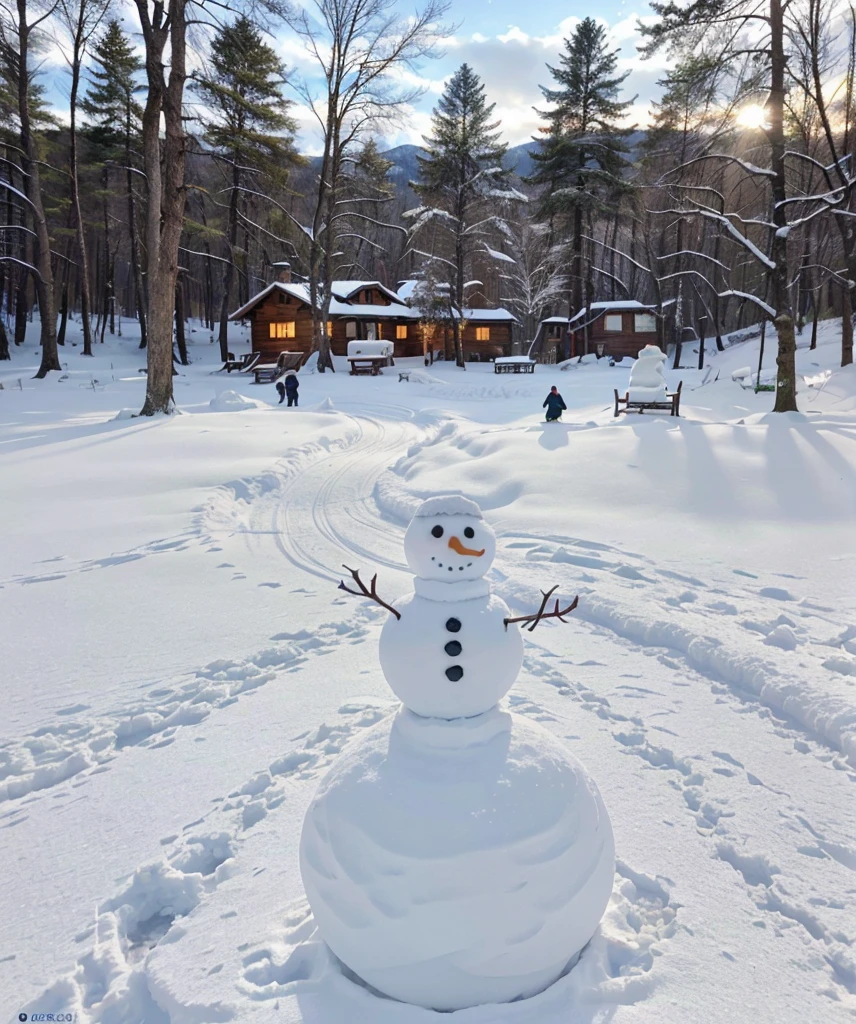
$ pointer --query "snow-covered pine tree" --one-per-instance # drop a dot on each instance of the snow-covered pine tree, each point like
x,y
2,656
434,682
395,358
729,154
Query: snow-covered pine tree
x,y
580,164
462,185
114,123
247,124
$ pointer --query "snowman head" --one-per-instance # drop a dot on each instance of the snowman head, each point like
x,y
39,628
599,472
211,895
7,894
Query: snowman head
x,y
449,540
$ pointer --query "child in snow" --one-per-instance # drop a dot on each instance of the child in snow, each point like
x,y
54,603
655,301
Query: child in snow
x,y
288,387
554,404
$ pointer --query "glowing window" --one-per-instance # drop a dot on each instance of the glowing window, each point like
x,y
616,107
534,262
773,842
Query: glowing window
x,y
401,332
482,334
329,328
612,323
645,323
283,329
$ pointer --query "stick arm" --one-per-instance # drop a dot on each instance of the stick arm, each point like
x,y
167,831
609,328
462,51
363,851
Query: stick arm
x,y
370,593
556,613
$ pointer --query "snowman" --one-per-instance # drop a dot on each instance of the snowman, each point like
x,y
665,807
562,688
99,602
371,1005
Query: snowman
x,y
456,854
647,380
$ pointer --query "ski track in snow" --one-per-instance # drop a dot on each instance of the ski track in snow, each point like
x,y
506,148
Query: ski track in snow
x,y
328,503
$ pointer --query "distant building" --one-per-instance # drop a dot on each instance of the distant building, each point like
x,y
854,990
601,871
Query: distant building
x,y
620,328
486,333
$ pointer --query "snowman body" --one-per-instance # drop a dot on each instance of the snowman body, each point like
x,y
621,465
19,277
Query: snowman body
x,y
455,854
450,655
647,380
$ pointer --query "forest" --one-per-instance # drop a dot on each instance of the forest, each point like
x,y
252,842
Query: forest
x,y
173,181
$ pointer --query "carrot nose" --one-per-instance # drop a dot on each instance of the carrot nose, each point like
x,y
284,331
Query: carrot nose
x,y
457,546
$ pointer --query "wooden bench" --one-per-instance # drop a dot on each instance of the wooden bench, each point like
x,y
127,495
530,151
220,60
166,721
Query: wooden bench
x,y
367,366
671,403
513,364
267,373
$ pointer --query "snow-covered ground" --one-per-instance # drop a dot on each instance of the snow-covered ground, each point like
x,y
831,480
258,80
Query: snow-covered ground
x,y
179,670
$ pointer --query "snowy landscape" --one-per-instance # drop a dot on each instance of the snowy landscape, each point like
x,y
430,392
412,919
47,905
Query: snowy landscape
x,y
180,671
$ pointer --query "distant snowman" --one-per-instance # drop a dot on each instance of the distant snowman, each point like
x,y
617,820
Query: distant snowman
x,y
456,854
647,380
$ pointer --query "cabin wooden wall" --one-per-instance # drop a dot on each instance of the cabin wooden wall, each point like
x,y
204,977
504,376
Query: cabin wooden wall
x,y
625,342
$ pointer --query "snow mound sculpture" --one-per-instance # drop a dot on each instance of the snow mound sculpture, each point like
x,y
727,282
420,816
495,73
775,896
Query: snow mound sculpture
x,y
647,381
456,854
231,401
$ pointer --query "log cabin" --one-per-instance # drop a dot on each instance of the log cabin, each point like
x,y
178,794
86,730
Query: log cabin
x,y
616,329
281,318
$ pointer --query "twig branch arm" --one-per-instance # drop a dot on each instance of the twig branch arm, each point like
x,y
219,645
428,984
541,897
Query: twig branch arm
x,y
556,613
363,592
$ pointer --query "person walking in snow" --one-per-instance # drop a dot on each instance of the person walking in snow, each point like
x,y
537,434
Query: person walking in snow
x,y
554,404
288,387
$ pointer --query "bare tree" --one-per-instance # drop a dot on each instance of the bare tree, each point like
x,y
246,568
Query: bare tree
x,y
81,19
17,36
358,45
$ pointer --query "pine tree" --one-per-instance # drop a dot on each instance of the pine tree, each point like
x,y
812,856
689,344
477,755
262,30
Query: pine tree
x,y
113,128
249,126
580,163
462,184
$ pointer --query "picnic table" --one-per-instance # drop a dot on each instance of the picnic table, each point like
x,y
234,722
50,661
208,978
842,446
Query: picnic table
x,y
670,402
368,366
513,364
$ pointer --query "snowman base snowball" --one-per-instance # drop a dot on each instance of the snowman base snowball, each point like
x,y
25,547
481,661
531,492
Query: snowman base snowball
x,y
453,864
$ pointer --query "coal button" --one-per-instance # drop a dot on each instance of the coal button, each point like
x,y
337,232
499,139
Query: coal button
x,y
453,625
454,673
453,648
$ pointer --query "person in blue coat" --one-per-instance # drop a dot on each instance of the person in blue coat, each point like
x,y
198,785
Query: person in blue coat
x,y
288,387
554,404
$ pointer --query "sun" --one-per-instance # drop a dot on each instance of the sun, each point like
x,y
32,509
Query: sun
x,y
752,116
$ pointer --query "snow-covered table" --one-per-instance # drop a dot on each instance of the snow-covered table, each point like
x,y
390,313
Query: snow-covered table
x,y
513,364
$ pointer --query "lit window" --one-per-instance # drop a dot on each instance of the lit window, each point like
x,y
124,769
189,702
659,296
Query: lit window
x,y
482,334
612,323
401,332
283,329
329,328
645,323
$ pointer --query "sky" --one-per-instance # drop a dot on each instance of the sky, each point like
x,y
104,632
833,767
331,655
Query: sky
x,y
510,53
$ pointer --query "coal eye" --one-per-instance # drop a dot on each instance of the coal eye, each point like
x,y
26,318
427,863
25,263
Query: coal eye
x,y
437,531
469,533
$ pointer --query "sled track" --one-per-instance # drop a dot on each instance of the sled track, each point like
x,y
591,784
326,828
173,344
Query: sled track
x,y
325,514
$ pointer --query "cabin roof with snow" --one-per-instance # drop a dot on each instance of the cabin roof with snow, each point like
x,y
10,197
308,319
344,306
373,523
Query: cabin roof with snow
x,y
615,306
341,304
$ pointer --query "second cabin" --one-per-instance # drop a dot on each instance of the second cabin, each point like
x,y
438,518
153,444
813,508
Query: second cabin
x,y
616,329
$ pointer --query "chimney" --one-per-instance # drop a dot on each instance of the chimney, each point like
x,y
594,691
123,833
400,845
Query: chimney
x,y
283,271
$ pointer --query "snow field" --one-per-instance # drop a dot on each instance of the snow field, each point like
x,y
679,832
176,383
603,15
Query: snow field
x,y
169,720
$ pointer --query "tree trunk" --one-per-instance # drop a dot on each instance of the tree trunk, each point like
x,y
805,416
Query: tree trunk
x,y
33,192
180,340
85,296
166,196
786,383
136,263
229,269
